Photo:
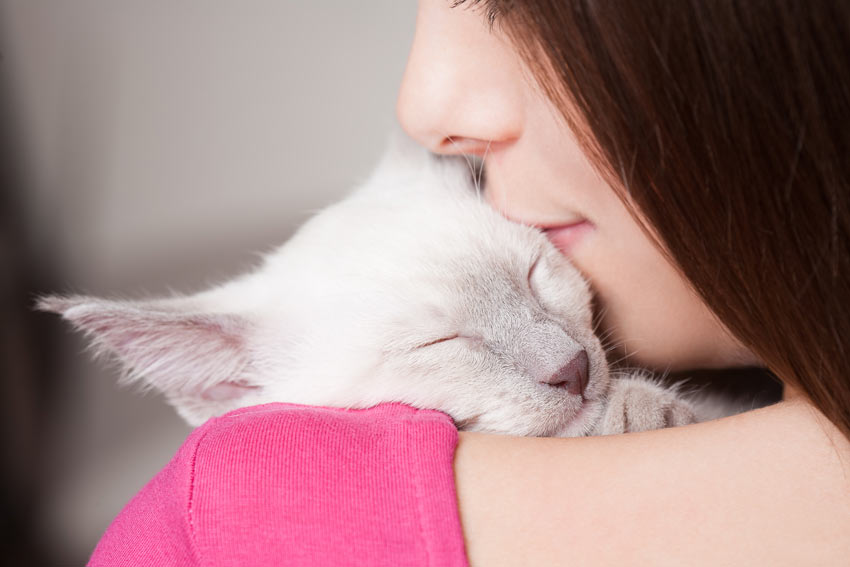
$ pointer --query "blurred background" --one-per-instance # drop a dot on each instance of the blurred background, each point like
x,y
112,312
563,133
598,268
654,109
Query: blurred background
x,y
149,146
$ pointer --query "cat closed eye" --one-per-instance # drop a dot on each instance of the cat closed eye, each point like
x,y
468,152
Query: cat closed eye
x,y
438,341
472,340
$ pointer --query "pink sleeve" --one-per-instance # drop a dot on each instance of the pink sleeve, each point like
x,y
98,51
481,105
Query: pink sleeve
x,y
283,484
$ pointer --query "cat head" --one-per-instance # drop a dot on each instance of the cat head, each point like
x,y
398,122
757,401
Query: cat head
x,y
411,289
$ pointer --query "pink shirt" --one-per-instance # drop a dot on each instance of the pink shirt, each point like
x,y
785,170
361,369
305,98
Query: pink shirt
x,y
282,484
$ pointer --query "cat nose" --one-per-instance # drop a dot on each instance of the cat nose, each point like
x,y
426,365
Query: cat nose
x,y
572,376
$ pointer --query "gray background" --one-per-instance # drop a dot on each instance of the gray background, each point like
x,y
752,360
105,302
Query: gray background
x,y
158,145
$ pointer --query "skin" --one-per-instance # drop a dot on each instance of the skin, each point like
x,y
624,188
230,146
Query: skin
x,y
697,495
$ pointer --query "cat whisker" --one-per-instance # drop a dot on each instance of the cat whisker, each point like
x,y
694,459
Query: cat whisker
x,y
603,336
468,160
614,363
598,315
479,183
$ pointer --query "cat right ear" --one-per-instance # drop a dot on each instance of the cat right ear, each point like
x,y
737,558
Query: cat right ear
x,y
200,360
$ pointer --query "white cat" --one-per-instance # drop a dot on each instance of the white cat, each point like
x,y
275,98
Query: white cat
x,y
411,290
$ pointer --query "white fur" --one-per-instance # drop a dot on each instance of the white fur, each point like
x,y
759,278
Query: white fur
x,y
339,314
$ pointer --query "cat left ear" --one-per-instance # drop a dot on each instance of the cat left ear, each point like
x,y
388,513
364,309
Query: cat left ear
x,y
199,359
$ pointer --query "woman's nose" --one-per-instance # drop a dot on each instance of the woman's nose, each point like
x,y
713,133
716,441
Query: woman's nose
x,y
462,88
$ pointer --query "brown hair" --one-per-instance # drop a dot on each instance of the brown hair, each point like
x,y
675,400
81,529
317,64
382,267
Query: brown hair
x,y
728,124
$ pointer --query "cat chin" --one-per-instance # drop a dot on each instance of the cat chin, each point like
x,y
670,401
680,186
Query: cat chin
x,y
583,422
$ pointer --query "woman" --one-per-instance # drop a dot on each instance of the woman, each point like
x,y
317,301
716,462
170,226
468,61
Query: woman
x,y
705,195
691,158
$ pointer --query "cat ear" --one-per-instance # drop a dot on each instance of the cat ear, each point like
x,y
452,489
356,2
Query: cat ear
x,y
200,360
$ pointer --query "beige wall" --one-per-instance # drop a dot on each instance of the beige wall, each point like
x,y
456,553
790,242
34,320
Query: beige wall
x,y
164,143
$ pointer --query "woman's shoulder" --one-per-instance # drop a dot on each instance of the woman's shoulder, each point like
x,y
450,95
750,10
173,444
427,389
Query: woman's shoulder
x,y
771,485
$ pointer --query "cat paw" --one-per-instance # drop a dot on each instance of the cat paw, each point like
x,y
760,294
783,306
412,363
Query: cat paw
x,y
636,404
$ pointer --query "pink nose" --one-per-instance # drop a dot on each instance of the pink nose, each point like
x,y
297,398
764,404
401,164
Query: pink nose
x,y
572,376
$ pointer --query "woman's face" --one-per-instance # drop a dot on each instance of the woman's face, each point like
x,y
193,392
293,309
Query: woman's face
x,y
466,90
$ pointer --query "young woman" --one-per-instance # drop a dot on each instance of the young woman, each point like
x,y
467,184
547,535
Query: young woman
x,y
693,159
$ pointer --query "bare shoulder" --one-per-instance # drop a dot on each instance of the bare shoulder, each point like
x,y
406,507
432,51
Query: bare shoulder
x,y
771,486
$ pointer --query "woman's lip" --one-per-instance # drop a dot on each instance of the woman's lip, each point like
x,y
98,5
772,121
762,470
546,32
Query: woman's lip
x,y
565,237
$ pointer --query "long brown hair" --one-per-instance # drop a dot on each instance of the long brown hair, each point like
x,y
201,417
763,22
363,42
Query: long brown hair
x,y
728,124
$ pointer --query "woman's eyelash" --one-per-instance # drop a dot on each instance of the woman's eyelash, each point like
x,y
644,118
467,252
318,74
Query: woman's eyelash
x,y
492,13
493,9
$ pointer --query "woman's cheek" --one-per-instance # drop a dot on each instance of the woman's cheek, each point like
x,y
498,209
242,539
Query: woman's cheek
x,y
647,308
